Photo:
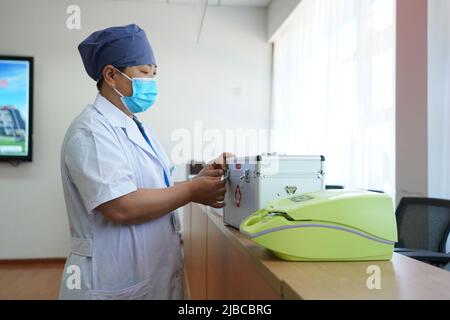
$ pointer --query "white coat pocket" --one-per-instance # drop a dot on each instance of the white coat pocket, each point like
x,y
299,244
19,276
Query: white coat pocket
x,y
135,292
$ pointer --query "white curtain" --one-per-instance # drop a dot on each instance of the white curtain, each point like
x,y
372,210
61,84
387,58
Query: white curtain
x,y
438,99
334,90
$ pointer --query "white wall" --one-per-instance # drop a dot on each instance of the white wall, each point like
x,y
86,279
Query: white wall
x,y
224,81
278,14
438,99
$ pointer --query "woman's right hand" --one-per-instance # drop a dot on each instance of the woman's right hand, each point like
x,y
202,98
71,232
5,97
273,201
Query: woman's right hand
x,y
209,191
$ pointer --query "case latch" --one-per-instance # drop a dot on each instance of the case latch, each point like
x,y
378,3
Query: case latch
x,y
320,174
246,176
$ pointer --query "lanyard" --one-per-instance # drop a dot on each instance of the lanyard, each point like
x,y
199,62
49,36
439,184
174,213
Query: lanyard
x,y
142,130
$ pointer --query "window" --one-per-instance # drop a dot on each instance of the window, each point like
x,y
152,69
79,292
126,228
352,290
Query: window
x,y
334,90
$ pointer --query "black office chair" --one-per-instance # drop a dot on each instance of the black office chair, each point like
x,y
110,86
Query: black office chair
x,y
423,229
333,187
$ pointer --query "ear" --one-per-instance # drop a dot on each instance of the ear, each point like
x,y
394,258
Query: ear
x,y
109,74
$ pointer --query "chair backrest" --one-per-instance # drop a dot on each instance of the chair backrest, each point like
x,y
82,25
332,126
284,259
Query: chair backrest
x,y
423,223
446,241
334,187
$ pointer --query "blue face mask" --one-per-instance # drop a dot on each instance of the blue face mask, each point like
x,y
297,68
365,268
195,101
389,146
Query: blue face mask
x,y
144,94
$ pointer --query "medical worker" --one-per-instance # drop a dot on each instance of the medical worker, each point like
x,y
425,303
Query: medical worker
x,y
120,197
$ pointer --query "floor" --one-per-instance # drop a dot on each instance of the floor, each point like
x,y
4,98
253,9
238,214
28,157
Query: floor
x,y
30,280
34,280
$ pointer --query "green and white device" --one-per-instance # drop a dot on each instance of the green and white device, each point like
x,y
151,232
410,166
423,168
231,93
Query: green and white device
x,y
326,226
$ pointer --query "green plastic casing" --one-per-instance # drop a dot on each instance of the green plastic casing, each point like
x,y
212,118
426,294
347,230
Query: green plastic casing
x,y
326,226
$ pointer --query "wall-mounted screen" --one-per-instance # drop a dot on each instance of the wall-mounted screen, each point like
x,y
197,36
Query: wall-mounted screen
x,y
16,108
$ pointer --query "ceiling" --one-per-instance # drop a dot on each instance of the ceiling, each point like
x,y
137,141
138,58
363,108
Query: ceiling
x,y
242,3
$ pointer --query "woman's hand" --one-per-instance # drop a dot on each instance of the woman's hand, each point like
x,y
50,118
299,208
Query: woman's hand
x,y
208,190
208,187
217,167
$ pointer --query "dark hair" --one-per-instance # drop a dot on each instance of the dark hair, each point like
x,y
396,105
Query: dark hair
x,y
100,82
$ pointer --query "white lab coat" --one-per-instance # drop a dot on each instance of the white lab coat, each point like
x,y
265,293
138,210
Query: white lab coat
x,y
104,156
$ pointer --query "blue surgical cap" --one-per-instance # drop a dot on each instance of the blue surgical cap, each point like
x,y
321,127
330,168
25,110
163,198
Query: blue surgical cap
x,y
125,46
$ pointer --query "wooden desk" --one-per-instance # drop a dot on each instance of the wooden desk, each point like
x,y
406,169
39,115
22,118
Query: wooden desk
x,y
223,264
